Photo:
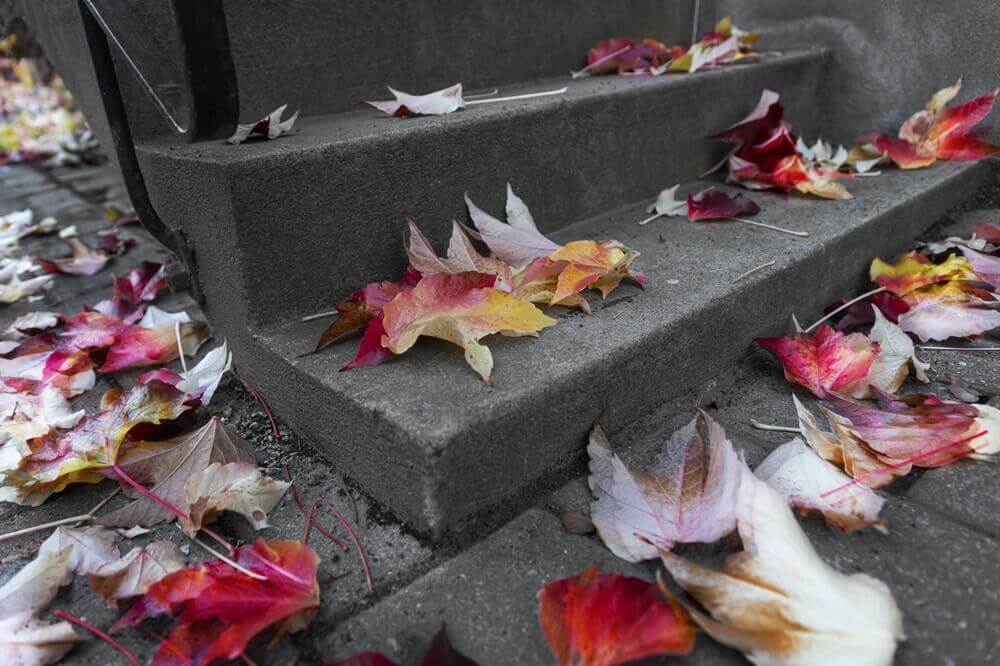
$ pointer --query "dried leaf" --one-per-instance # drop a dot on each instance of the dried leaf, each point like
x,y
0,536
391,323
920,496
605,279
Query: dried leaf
x,y
895,354
687,495
627,56
598,619
667,204
201,381
132,291
236,486
220,609
802,477
436,103
516,242
27,641
576,266
169,464
779,603
462,257
12,288
950,310
270,126
133,574
363,306
460,309
913,271
714,204
985,266
83,261
825,361
88,548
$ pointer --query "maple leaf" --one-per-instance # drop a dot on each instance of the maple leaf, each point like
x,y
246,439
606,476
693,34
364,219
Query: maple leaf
x,y
134,573
939,132
462,257
516,242
714,204
436,103
825,361
627,56
235,486
686,495
913,271
142,284
953,309
985,266
270,126
576,266
153,341
666,205
802,477
598,619
87,548
779,603
362,308
220,609
25,416
461,309
859,315
168,465
895,354
82,261
988,231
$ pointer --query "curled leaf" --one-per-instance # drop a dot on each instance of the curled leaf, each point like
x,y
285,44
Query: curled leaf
x,y
516,242
133,574
82,261
895,354
436,103
236,486
270,126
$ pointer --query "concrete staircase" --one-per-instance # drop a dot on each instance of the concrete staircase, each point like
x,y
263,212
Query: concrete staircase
x,y
285,228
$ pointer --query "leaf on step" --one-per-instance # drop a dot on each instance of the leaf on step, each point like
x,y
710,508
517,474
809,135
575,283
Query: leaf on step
x,y
667,204
986,266
516,242
802,477
461,309
598,619
270,126
913,271
220,609
859,315
895,354
779,603
939,132
627,56
714,204
168,465
687,495
462,257
236,486
988,231
436,103
559,277
88,548
133,574
82,261
362,307
825,361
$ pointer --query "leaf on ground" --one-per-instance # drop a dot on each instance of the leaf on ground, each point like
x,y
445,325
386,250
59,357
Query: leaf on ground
x,y
142,284
561,276
895,354
153,341
436,103
667,204
779,603
598,619
220,609
517,242
89,547
13,288
687,494
82,261
169,464
200,381
134,573
27,641
461,309
236,486
270,126
802,477
825,361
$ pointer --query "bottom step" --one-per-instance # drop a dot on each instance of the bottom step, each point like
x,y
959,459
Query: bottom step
x,y
445,452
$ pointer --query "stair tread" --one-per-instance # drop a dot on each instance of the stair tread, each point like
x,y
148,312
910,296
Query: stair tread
x,y
432,393
322,132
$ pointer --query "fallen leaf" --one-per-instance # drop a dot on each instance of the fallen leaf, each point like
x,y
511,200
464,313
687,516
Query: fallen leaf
x,y
88,547
168,465
13,288
895,354
714,204
988,231
779,603
461,309
598,619
134,573
825,361
220,609
686,495
562,275
462,257
859,315
153,341
237,486
436,103
627,56
913,271
270,126
985,266
950,310
201,381
802,477
516,242
667,204
130,292
110,244
82,261
362,307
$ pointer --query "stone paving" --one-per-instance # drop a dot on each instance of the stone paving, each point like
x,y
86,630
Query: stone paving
x,y
939,556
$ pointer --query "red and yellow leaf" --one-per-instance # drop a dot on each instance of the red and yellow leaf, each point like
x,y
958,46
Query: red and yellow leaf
x,y
825,361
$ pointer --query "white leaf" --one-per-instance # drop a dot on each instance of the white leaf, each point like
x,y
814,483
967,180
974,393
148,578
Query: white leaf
x,y
270,126
436,103
517,243
896,351
132,574
668,204
88,547
238,487
27,641
203,379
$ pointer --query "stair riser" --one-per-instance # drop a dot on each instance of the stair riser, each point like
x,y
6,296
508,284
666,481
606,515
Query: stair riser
x,y
310,226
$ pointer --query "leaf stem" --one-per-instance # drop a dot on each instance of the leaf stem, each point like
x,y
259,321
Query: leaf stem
x,y
773,428
513,98
223,558
800,234
650,219
180,346
845,306
298,502
960,349
752,271
354,538
320,315
72,520
100,634
482,94
264,406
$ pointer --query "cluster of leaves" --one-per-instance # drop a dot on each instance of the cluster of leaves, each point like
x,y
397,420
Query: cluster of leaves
x,y
726,45
38,119
467,295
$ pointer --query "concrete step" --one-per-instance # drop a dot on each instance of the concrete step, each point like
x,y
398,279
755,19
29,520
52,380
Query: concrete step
x,y
287,227
446,452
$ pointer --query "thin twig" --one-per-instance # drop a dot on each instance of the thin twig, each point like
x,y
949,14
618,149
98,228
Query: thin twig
x,y
298,502
753,270
800,234
960,349
223,558
774,428
100,634
845,306
514,98
354,538
309,519
586,70
320,315
264,406
650,219
72,520
180,346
